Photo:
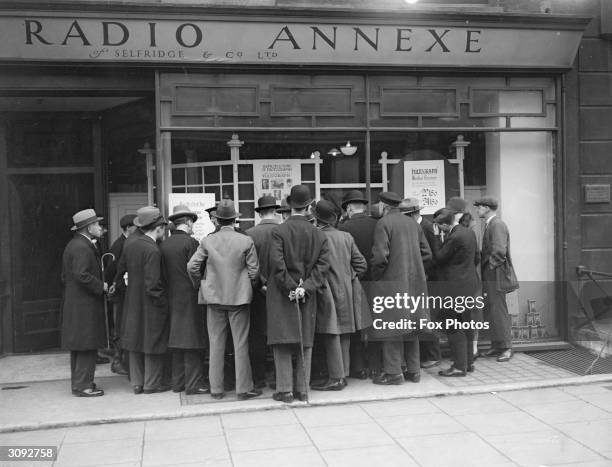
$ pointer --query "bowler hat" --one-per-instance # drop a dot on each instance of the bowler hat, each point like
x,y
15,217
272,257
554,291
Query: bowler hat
x,y
127,221
182,211
457,204
212,209
266,202
226,210
325,211
390,198
84,218
149,217
299,197
489,201
409,205
284,206
353,196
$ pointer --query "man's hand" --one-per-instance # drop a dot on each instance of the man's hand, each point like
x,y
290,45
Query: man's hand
x,y
106,287
436,229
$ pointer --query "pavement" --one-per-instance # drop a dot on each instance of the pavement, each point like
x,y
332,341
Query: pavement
x,y
564,426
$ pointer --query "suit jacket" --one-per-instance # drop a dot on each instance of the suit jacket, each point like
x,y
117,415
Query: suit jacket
x,y
231,267
457,259
399,251
361,227
298,251
145,308
342,307
431,265
186,316
495,244
83,322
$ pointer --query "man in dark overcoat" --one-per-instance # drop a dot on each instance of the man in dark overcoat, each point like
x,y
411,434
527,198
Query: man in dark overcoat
x,y
83,321
145,330
361,227
429,342
342,308
126,223
262,238
495,252
399,251
457,258
187,327
298,263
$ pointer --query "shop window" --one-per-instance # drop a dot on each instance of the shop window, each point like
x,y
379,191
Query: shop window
x,y
245,172
216,100
402,102
506,102
311,101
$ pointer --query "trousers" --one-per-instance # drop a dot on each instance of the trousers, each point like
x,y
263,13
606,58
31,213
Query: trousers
x,y
187,369
289,377
496,308
395,353
147,370
82,368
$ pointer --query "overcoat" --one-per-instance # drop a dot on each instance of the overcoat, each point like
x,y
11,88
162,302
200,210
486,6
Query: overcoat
x,y
186,316
83,323
298,251
146,305
262,237
361,227
431,270
495,244
457,259
341,306
399,251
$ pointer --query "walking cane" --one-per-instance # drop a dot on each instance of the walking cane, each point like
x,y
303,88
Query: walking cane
x,y
105,301
299,318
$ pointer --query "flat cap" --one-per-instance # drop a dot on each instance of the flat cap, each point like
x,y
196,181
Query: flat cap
x,y
390,198
487,201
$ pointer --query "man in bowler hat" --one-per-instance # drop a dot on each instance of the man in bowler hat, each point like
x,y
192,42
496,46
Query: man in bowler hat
x,y
262,237
187,325
495,252
83,323
145,330
231,270
298,268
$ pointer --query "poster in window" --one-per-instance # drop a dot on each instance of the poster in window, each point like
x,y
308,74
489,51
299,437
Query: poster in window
x,y
275,177
424,180
197,202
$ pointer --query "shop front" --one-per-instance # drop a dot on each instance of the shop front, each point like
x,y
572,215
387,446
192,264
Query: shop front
x,y
432,104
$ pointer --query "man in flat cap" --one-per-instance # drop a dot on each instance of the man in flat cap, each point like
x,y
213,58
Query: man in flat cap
x,y
262,237
429,342
495,252
397,265
145,330
231,270
299,261
126,223
83,323
187,326
361,227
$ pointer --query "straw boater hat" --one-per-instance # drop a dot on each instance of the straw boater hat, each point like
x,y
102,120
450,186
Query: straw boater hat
x,y
149,217
409,205
266,202
84,218
182,211
353,196
226,210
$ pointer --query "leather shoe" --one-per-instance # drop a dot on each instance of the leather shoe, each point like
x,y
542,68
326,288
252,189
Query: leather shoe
x,y
100,360
217,395
198,391
451,372
413,377
493,353
505,356
301,396
178,389
157,389
361,374
138,390
429,363
118,368
89,392
344,382
330,385
387,380
470,368
243,396
286,397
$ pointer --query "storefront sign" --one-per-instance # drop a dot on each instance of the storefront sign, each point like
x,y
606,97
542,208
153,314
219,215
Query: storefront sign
x,y
275,177
40,37
424,180
197,202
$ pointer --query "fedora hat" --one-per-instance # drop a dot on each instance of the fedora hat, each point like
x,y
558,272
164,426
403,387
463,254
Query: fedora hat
x,y
353,196
409,205
390,198
299,197
84,218
226,210
182,211
149,217
284,206
325,211
266,202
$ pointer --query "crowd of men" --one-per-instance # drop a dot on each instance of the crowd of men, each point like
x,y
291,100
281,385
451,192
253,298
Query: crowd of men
x,y
299,288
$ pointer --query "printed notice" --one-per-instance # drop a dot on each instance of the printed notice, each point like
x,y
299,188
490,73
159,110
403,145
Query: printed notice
x,y
424,180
